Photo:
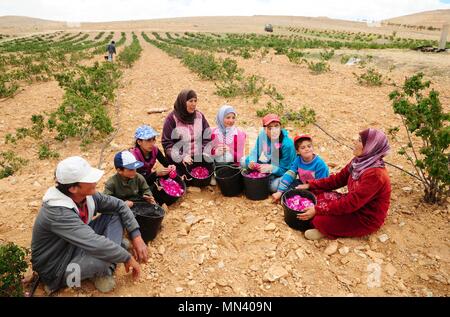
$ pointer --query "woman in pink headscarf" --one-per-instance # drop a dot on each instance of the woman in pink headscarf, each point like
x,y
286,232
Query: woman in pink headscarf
x,y
363,209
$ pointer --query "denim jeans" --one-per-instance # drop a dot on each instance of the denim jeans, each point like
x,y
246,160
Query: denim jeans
x,y
109,226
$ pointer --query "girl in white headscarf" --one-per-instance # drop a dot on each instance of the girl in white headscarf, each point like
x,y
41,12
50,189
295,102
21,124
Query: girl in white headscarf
x,y
228,140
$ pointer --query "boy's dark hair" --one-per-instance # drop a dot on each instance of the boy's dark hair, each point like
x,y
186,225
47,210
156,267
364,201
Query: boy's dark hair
x,y
297,143
112,42
64,188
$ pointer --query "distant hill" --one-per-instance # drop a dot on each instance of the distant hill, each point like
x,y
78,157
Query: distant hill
x,y
434,18
20,24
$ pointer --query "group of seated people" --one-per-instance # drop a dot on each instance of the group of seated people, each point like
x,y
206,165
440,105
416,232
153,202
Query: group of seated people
x,y
78,233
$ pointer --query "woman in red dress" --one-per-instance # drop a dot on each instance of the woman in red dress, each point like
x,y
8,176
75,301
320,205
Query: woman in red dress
x,y
363,209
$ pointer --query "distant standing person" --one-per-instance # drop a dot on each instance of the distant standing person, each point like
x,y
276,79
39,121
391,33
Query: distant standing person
x,y
111,49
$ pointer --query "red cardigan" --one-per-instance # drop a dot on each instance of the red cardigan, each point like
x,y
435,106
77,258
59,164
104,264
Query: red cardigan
x,y
369,196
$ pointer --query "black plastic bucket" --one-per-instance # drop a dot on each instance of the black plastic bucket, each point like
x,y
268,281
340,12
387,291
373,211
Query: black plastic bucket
x,y
229,179
290,215
162,197
255,188
149,218
200,182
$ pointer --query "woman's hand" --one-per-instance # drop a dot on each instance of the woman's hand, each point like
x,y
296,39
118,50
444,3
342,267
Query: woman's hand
x,y
308,213
187,160
302,186
276,197
163,171
129,203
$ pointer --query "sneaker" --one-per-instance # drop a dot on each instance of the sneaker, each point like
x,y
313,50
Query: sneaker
x,y
105,283
313,234
213,181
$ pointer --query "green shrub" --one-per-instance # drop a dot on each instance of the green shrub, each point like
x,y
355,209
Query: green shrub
x,y
423,116
370,78
12,267
10,163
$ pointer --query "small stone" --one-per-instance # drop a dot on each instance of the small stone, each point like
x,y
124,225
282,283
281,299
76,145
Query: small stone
x,y
201,258
194,190
440,278
407,189
331,248
37,184
383,238
191,283
220,265
344,250
222,282
299,253
242,220
35,203
13,181
185,205
401,224
390,269
270,254
375,255
270,227
211,285
274,273
424,276
161,249
178,289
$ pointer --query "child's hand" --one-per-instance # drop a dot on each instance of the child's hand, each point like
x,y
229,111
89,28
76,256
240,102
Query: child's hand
x,y
253,165
149,199
302,186
265,168
129,203
276,197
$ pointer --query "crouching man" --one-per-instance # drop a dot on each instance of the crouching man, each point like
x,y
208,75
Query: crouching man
x,y
71,243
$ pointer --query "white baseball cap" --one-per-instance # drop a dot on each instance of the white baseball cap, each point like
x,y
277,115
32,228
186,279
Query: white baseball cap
x,y
76,169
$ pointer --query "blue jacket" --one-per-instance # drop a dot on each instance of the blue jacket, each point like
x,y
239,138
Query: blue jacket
x,y
263,150
316,169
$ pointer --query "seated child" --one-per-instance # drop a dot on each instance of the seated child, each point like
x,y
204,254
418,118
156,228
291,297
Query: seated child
x,y
306,166
127,184
273,152
228,141
148,153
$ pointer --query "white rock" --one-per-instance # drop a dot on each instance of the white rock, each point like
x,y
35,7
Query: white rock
x,y
178,289
201,258
331,248
344,250
299,253
270,227
161,249
383,238
220,265
375,255
274,273
390,269
407,189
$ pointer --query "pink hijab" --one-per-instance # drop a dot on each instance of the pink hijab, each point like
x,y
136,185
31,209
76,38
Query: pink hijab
x,y
376,146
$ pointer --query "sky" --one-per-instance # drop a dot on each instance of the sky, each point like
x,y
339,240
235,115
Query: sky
x,y
120,10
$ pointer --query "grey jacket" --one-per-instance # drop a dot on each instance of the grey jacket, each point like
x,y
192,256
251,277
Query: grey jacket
x,y
58,231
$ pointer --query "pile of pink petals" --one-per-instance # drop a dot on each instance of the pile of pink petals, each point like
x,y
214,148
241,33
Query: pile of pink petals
x,y
200,172
298,203
256,174
171,187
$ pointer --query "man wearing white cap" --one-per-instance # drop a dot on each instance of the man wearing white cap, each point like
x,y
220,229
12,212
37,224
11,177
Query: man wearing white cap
x,y
67,240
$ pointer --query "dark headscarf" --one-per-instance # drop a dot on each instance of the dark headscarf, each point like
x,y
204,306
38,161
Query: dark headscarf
x,y
179,106
376,146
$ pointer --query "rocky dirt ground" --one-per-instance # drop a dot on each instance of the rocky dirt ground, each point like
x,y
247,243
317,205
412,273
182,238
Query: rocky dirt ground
x,y
210,245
